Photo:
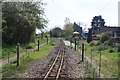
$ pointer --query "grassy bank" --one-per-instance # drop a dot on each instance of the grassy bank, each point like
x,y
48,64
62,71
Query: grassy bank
x,y
109,59
11,70
11,50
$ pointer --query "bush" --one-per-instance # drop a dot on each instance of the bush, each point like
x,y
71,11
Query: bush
x,y
118,48
105,36
109,42
102,48
92,44
111,51
98,43
29,47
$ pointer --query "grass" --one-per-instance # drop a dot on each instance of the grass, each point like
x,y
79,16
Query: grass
x,y
13,71
109,66
11,50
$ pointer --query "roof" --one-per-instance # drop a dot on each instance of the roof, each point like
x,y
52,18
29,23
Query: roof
x,y
105,29
77,28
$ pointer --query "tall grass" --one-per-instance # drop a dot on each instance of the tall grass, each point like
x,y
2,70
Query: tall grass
x,y
109,67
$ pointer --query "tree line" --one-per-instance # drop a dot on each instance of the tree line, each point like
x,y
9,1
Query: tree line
x,y
20,20
66,32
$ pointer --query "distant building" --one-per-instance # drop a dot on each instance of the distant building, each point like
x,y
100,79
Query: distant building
x,y
77,28
115,31
98,27
85,35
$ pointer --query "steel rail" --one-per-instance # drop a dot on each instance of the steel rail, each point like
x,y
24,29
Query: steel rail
x,y
52,65
60,66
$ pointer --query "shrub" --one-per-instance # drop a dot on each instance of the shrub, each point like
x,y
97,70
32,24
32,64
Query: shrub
x,y
105,36
102,48
98,43
29,47
92,44
109,42
118,48
111,51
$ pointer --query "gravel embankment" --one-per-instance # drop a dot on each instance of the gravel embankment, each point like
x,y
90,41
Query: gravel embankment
x,y
76,68
38,67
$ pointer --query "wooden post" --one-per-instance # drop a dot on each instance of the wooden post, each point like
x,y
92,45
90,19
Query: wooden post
x,y
26,51
38,45
87,66
75,44
93,73
47,39
91,56
70,45
8,56
82,52
18,51
99,64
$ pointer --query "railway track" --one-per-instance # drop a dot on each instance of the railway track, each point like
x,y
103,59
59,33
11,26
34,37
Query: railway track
x,y
55,70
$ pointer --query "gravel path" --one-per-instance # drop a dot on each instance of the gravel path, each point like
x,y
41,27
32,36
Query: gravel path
x,y
76,68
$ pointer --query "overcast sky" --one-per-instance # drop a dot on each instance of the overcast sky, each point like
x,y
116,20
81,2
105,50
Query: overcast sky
x,y
81,11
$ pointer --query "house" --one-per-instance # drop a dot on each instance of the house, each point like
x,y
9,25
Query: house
x,y
115,31
98,27
77,28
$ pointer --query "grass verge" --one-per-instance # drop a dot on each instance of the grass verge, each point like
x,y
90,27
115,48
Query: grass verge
x,y
11,50
13,71
109,61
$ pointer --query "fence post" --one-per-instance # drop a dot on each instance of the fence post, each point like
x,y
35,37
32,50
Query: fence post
x,y
38,45
82,52
8,56
75,44
26,51
18,51
87,66
99,64
47,39
93,73
91,56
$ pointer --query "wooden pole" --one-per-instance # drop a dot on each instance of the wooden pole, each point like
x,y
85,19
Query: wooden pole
x,y
91,56
93,73
18,51
8,56
47,40
82,52
75,44
38,44
100,65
